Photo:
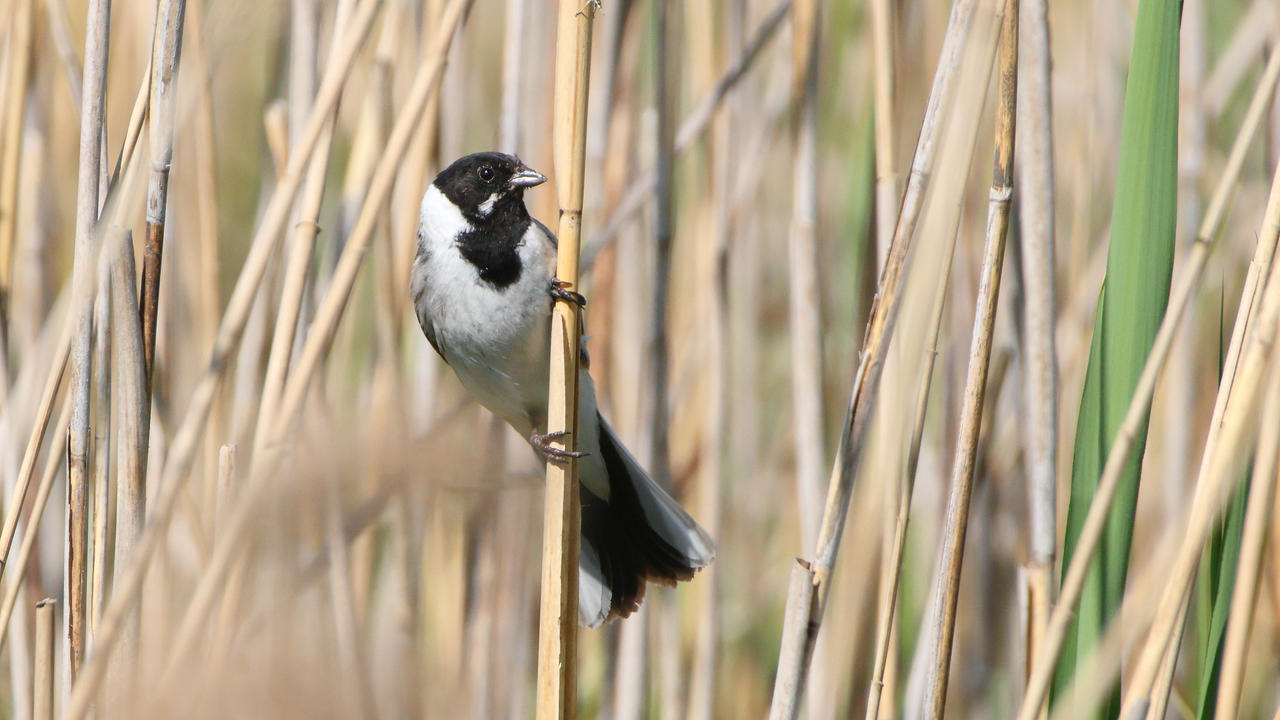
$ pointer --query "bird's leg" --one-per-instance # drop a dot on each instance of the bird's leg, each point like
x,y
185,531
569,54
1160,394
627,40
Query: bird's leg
x,y
560,291
550,453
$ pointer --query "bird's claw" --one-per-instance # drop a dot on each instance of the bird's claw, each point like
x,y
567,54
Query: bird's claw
x,y
560,291
550,453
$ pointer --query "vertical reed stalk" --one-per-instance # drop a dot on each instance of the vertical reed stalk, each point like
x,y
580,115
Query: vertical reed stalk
x,y
558,618
42,695
1034,168
802,252
665,98
947,592
885,127
92,123
810,580
166,50
22,27
134,430
102,438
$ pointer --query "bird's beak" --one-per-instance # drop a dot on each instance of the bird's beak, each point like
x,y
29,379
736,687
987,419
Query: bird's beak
x,y
527,178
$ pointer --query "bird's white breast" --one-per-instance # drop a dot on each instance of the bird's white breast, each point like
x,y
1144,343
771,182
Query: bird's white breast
x,y
496,339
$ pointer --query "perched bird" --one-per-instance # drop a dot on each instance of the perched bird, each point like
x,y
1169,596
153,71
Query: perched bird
x,y
483,285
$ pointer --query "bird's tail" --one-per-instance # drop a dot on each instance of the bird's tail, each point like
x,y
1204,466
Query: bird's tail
x,y
638,534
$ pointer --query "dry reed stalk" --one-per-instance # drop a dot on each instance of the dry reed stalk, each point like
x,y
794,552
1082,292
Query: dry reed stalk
x,y
12,589
184,441
42,694
22,27
882,49
513,60
134,130
809,583
323,327
693,126
558,617
715,229
962,476
166,51
102,407
1095,520
1244,596
1034,167
132,435
84,267
665,93
802,252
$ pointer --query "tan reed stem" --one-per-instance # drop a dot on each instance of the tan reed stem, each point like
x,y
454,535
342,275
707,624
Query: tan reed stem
x,y
84,267
947,593
558,618
22,27
802,252
42,697
166,51
886,155
132,434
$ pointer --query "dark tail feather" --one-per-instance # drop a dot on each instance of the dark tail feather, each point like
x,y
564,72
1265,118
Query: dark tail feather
x,y
640,534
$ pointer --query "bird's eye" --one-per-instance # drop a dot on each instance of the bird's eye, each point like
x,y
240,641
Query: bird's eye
x,y
486,173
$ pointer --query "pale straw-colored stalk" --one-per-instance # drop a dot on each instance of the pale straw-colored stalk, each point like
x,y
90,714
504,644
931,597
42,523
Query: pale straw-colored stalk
x,y
802,253
558,617
102,408
882,48
84,269
42,695
1193,270
22,27
947,593
166,51
1034,168
130,374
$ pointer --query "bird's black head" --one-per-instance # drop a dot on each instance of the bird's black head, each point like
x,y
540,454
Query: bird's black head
x,y
487,185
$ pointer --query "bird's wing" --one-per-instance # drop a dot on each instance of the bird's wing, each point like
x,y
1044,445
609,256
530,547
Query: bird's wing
x,y
582,348
551,237
418,286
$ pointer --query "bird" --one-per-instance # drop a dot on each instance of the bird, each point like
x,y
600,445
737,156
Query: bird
x,y
483,286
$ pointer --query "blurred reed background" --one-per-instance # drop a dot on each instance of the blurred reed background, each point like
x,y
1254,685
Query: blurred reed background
x,y
290,508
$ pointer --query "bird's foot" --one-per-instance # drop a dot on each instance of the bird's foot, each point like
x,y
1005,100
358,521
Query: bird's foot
x,y
560,291
550,453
